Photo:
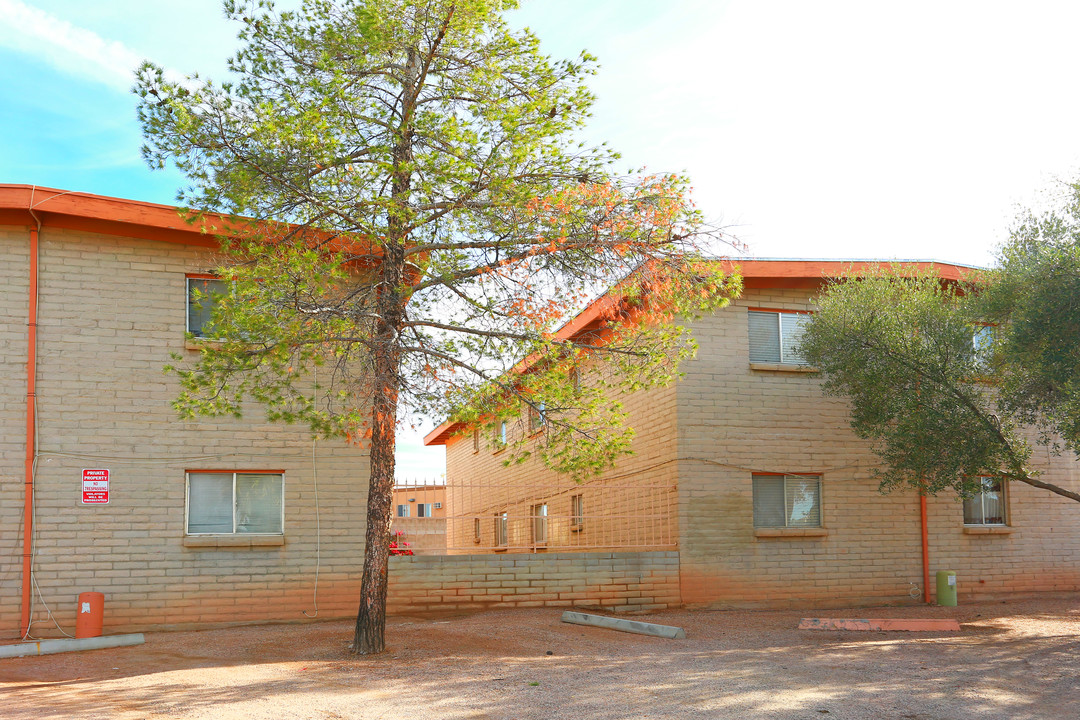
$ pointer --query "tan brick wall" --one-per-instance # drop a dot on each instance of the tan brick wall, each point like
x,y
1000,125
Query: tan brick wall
x,y
734,420
14,257
618,582
111,312
631,506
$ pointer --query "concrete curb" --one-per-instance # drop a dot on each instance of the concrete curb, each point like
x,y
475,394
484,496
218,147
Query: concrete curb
x,y
623,625
935,625
59,645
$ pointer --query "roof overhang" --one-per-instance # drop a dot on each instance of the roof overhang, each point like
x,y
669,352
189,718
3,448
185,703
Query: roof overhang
x,y
30,205
756,274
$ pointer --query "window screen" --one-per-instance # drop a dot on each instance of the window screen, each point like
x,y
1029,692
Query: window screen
x,y
228,503
775,336
787,501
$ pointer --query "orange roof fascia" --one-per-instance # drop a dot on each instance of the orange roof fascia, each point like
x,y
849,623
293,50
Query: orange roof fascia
x,y
810,274
587,319
806,274
27,204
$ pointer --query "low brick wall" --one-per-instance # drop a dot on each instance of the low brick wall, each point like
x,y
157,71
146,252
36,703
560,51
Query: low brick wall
x,y
619,582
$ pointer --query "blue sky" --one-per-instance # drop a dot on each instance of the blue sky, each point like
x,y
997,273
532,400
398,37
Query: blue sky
x,y
814,129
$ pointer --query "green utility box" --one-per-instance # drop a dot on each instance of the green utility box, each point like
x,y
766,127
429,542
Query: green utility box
x,y
946,588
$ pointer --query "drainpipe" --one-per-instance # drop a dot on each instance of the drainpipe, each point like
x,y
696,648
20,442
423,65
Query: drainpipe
x,y
925,548
31,423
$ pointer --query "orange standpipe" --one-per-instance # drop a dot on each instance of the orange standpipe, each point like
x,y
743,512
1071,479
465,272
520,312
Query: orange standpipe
x,y
31,377
925,549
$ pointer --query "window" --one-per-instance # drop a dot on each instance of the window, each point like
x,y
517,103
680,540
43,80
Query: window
x,y
775,336
225,503
982,343
577,512
202,294
987,507
537,419
787,501
475,440
476,530
539,515
423,510
501,535
500,435
575,379
403,511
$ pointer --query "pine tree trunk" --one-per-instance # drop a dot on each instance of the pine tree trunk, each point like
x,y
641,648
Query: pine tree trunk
x,y
369,635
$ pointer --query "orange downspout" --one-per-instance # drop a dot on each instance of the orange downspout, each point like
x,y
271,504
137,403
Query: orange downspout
x,y
31,440
925,549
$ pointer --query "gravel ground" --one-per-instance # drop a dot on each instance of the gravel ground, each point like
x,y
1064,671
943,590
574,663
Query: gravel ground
x,y
1015,660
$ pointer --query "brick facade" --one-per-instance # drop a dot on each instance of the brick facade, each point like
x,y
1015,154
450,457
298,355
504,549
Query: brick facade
x,y
617,582
111,311
735,420
727,419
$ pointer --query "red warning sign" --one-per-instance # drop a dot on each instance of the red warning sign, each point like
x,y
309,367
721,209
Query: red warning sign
x,y
95,487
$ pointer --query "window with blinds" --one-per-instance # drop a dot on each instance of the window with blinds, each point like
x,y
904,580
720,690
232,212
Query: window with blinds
x,y
787,501
775,336
234,503
988,506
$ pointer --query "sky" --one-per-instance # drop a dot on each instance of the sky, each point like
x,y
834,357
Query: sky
x,y
810,129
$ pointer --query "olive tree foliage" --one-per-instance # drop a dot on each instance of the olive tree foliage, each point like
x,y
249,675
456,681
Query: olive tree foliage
x,y
924,374
1034,299
412,218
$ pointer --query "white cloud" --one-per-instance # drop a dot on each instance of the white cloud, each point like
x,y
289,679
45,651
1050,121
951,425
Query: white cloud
x,y
68,48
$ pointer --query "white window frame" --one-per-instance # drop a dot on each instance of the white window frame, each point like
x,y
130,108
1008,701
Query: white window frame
x,y
424,510
987,481
234,473
787,510
402,510
537,417
784,319
501,434
577,512
502,529
540,524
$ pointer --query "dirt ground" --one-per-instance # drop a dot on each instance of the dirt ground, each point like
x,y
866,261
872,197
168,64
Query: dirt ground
x,y
1014,660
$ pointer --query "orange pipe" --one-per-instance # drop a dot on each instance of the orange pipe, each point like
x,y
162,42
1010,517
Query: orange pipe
x,y
925,550
31,448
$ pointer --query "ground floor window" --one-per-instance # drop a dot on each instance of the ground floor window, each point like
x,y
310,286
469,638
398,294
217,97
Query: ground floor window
x,y
577,512
787,500
501,535
403,511
226,503
987,507
540,517
423,510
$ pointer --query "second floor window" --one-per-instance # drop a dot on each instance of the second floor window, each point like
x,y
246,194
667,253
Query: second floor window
x,y
775,336
202,294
